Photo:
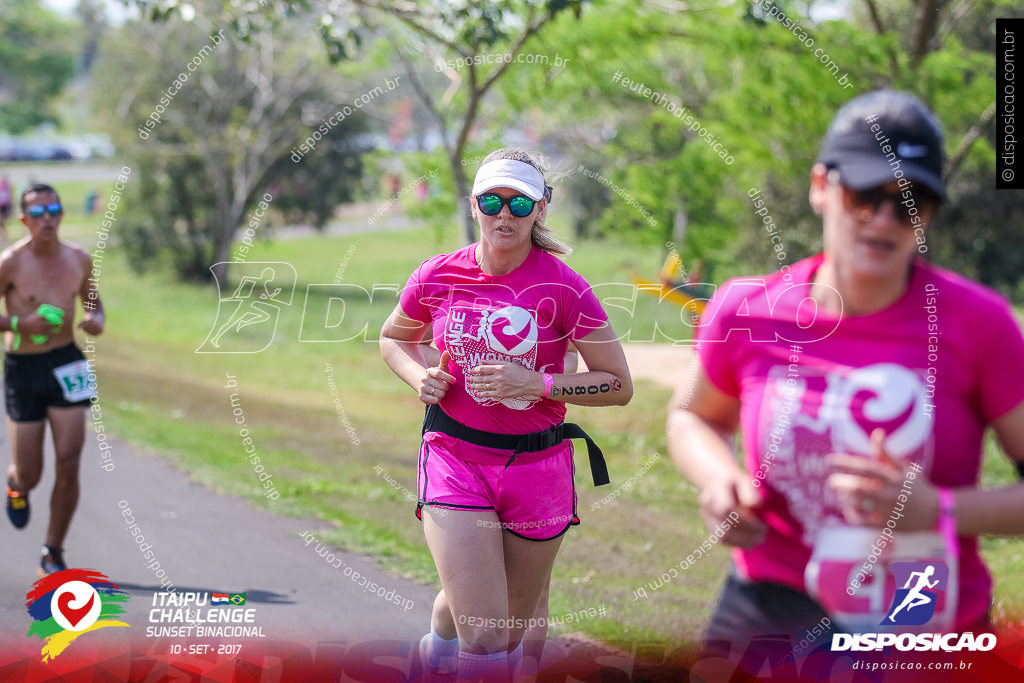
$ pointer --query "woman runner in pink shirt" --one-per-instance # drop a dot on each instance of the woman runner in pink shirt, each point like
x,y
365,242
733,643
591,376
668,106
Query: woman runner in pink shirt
x,y
863,379
495,473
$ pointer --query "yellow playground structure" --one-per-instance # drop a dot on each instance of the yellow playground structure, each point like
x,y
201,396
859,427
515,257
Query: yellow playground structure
x,y
685,291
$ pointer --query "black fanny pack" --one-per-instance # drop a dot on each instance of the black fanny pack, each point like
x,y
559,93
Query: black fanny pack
x,y
436,420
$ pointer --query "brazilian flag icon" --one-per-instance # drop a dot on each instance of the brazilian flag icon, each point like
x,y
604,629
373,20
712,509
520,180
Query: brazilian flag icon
x,y
237,598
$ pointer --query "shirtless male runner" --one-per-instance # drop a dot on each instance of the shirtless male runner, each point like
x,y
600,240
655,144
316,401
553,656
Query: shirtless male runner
x,y
46,376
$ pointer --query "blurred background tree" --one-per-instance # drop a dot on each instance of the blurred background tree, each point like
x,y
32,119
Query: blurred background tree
x,y
37,60
768,98
227,135
623,163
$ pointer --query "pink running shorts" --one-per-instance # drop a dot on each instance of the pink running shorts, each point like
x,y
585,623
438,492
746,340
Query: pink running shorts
x,y
534,498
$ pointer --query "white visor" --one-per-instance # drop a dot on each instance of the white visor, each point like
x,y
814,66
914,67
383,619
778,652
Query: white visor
x,y
517,175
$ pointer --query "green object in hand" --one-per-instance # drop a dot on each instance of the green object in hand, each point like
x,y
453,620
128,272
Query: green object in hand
x,y
52,315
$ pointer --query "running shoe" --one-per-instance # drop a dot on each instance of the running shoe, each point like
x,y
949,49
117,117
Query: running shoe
x,y
17,508
52,560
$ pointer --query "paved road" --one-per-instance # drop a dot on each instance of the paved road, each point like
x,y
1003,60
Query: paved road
x,y
204,542
59,172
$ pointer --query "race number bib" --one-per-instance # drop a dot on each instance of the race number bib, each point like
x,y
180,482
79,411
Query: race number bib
x,y
866,580
76,380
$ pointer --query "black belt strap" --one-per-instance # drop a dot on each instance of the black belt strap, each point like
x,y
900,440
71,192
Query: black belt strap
x,y
436,420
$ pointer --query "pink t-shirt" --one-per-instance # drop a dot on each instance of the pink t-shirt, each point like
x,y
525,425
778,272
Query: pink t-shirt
x,y
528,317
933,370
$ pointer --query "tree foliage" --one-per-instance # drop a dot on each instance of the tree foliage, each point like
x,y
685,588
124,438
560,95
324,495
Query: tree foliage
x,y
768,97
464,31
214,137
37,50
760,80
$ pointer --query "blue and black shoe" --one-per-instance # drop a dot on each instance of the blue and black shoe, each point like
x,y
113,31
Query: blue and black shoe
x,y
52,560
17,508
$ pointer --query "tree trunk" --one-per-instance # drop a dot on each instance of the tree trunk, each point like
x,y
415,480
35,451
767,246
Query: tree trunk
x,y
927,18
580,221
220,265
232,216
679,222
462,190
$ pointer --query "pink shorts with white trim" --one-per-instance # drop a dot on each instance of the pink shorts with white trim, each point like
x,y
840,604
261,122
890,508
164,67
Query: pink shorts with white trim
x,y
534,498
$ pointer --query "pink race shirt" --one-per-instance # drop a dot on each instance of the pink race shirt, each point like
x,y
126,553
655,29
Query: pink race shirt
x,y
527,317
933,370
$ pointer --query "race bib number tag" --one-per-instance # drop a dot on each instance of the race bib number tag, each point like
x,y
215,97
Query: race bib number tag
x,y
74,380
866,581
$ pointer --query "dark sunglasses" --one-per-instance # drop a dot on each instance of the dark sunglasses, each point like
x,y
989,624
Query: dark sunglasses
x,y
54,209
490,204
864,204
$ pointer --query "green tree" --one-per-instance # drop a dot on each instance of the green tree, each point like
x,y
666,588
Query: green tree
x,y
458,35
760,88
92,19
214,123
37,53
460,38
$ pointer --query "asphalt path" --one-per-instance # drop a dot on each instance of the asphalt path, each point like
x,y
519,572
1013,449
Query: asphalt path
x,y
205,543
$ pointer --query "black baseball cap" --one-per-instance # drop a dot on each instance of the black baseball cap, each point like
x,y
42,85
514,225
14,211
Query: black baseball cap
x,y
883,136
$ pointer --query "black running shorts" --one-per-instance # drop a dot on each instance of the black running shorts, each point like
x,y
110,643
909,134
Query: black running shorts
x,y
34,382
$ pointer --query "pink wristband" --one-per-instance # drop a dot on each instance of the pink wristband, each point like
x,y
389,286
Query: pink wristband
x,y
549,381
947,520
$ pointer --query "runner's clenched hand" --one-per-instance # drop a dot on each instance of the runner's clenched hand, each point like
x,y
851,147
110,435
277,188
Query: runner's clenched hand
x,y
33,323
728,495
91,325
436,381
499,380
869,488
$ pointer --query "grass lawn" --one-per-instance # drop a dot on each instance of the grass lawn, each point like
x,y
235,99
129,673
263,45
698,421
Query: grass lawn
x,y
329,458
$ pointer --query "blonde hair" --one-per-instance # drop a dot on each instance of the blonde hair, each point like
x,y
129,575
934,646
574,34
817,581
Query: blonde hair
x,y
542,236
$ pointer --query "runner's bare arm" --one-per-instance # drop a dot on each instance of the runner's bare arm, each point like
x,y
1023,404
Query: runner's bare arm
x,y
572,360
400,345
430,353
28,323
999,510
94,318
702,422
607,380
606,384
6,278
403,348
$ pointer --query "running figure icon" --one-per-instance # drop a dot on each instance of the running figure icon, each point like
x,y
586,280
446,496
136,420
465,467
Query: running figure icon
x,y
250,309
916,596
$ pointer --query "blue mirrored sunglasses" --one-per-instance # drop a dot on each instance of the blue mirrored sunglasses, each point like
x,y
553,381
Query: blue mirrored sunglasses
x,y
54,209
